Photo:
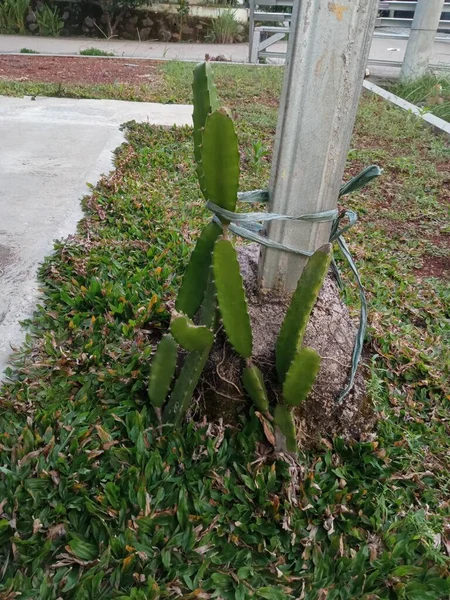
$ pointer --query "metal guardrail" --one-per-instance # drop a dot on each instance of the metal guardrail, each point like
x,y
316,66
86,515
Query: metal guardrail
x,y
397,19
263,36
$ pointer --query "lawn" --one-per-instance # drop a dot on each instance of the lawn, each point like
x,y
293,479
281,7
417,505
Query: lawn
x,y
95,504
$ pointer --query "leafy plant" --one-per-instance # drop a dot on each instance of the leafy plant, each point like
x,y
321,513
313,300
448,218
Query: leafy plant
x,y
259,151
213,281
183,10
28,51
225,29
12,16
48,20
95,52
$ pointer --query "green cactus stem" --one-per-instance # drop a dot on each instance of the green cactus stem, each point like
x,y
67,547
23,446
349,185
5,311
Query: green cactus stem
x,y
221,160
190,337
231,297
205,102
195,279
284,421
253,381
301,376
194,363
161,372
297,316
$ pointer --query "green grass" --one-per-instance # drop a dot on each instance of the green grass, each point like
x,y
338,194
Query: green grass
x,y
95,52
94,504
431,92
28,51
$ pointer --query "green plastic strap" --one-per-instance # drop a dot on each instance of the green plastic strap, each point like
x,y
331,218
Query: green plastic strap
x,y
255,196
256,237
320,217
358,347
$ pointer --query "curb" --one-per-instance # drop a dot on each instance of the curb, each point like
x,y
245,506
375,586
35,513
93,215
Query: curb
x,y
438,125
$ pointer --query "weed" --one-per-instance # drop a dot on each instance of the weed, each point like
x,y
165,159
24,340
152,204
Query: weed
x,y
224,29
259,151
28,51
431,92
95,52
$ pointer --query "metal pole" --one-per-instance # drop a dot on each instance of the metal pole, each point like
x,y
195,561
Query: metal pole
x,y
328,51
421,39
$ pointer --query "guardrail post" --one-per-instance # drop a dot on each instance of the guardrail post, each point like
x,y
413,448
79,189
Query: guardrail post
x,y
251,28
421,39
328,51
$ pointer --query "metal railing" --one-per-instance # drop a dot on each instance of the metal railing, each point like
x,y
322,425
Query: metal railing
x,y
395,18
261,37
264,36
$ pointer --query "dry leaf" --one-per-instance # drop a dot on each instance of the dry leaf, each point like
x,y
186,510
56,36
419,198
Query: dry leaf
x,y
56,532
268,431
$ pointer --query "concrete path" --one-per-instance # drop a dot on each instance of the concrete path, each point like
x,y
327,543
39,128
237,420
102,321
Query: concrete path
x,y
383,48
50,148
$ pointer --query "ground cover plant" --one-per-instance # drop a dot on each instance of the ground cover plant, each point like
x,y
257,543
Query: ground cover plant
x,y
95,52
431,92
95,503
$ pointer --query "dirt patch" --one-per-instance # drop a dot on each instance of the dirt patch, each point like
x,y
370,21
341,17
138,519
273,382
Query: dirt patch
x,y
65,69
435,266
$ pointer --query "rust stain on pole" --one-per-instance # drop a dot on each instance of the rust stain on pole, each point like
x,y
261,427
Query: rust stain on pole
x,y
337,9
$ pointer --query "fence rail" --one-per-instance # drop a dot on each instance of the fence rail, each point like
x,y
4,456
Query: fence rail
x,y
262,36
395,17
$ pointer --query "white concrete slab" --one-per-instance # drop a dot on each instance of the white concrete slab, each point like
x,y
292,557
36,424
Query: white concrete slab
x,y
49,149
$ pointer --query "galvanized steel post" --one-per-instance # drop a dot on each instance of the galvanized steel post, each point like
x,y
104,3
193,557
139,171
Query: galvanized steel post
x,y
328,51
421,38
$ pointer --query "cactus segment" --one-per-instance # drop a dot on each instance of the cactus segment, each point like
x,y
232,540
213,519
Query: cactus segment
x,y
191,337
303,300
283,420
162,370
185,385
301,376
221,160
193,366
231,297
195,278
253,381
205,102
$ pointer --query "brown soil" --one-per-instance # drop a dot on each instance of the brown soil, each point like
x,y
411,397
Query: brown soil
x,y
435,266
77,70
